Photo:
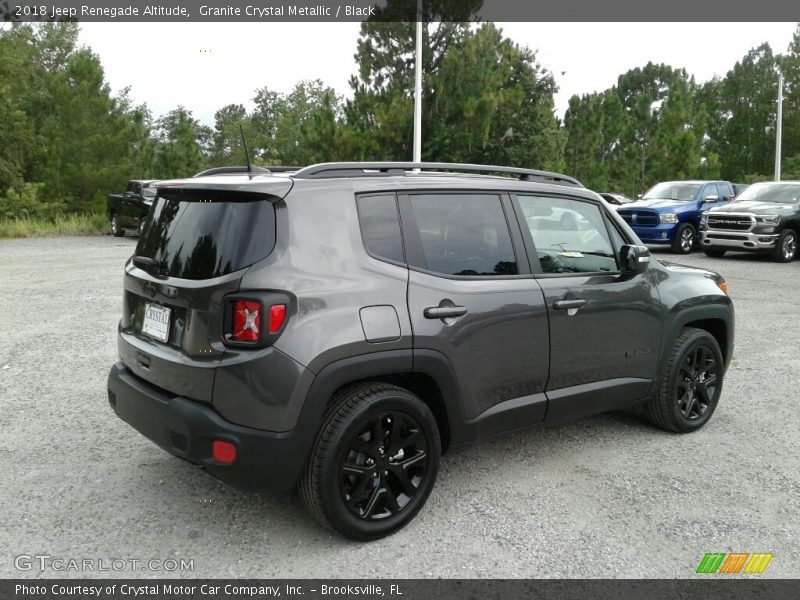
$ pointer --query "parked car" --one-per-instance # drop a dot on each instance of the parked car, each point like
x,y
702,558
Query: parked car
x,y
129,210
616,199
669,213
340,327
764,218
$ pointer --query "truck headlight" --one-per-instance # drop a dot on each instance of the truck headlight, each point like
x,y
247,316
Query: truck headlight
x,y
668,218
768,219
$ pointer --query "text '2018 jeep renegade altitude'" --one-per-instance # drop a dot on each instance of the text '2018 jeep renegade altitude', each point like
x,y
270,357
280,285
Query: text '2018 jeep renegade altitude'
x,y
339,327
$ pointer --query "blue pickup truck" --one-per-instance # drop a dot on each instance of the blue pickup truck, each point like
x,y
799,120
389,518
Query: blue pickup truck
x,y
669,213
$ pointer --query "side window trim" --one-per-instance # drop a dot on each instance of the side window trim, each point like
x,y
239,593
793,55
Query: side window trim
x,y
530,245
412,241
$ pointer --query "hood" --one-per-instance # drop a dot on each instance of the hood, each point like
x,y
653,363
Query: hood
x,y
755,207
687,270
661,204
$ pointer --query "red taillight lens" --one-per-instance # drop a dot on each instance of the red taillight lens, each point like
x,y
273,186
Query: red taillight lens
x,y
223,452
277,315
247,321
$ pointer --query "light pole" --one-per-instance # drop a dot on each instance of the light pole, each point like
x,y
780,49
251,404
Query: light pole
x,y
418,89
779,127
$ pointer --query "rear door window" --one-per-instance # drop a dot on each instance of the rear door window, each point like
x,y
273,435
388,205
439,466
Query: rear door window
x,y
204,234
459,234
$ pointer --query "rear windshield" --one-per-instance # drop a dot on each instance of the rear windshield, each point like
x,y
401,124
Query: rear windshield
x,y
200,235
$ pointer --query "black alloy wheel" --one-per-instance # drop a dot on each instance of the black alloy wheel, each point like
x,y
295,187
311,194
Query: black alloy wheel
x,y
691,383
374,462
383,465
696,385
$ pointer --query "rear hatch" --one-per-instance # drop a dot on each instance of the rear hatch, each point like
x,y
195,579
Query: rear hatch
x,y
194,250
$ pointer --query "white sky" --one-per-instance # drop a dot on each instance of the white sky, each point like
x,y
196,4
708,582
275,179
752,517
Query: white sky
x,y
205,66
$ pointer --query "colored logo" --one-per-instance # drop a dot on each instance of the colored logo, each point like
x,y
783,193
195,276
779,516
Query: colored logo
x,y
734,562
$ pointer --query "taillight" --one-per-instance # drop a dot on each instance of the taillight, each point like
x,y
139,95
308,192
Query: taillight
x,y
277,315
255,319
247,321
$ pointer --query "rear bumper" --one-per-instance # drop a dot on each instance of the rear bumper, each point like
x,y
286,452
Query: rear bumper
x,y
739,240
185,428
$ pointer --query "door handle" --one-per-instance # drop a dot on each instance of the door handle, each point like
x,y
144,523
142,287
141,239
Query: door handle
x,y
569,304
444,312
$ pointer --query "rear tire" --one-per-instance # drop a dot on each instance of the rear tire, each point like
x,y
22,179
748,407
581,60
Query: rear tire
x,y
116,228
786,246
714,252
685,239
374,461
690,385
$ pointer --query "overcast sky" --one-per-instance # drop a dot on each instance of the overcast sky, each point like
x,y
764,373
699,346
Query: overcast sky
x,y
205,66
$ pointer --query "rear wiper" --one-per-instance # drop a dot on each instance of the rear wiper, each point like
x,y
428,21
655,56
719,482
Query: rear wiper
x,y
148,264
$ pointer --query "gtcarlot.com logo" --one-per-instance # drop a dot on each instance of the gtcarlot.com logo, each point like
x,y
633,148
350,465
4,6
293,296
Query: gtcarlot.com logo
x,y
45,562
734,562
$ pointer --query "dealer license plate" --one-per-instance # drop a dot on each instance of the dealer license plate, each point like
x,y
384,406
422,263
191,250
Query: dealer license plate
x,y
156,321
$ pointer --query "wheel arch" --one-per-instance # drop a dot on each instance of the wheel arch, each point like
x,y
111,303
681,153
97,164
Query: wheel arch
x,y
429,377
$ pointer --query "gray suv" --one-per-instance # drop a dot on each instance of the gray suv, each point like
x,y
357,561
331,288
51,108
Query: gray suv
x,y
339,327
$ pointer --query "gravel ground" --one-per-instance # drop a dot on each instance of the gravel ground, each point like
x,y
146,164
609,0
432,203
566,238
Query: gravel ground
x,y
607,496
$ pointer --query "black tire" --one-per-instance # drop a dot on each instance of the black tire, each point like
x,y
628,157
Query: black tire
x,y
353,487
714,252
116,229
685,239
687,395
786,246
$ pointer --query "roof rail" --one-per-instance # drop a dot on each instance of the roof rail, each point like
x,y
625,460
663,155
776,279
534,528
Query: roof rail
x,y
234,170
387,168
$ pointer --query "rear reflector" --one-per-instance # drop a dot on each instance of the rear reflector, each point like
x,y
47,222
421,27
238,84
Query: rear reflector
x,y
247,321
223,452
277,315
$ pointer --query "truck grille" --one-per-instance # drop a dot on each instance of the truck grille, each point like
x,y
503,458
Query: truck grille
x,y
641,218
729,222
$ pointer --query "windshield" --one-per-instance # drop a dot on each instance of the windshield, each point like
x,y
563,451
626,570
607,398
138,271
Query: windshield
x,y
681,192
780,193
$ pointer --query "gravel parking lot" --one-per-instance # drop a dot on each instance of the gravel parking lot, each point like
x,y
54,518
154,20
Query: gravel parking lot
x,y
608,496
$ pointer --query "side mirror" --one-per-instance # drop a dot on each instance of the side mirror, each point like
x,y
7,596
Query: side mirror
x,y
635,259
710,199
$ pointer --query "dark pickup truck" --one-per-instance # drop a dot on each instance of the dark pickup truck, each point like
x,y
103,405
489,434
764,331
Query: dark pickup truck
x,y
764,218
129,210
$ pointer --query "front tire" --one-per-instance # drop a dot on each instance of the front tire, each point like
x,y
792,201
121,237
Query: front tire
x,y
684,239
116,228
785,247
374,461
690,385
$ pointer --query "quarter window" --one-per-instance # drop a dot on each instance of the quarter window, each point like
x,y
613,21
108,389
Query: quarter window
x,y
462,234
380,226
570,236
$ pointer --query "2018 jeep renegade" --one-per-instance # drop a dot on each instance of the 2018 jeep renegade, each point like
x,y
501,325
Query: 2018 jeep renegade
x,y
339,327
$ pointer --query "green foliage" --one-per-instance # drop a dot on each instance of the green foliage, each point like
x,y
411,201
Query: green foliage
x,y
66,141
62,225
